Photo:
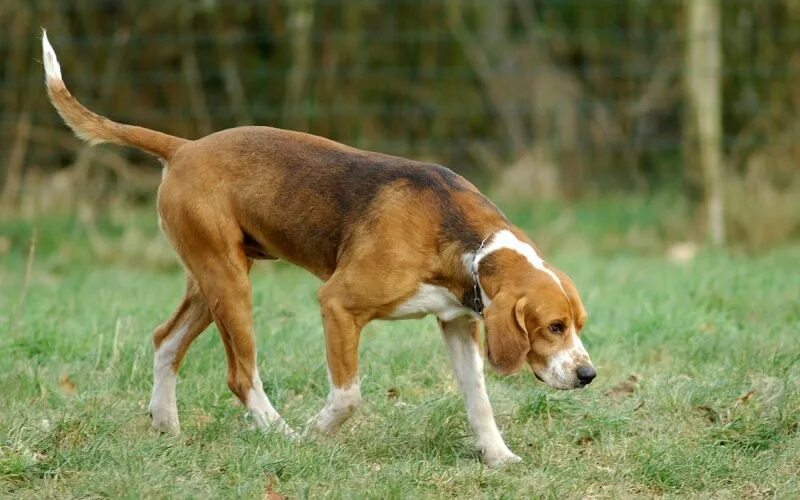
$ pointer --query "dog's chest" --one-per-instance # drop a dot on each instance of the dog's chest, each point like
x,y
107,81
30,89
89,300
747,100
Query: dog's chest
x,y
430,299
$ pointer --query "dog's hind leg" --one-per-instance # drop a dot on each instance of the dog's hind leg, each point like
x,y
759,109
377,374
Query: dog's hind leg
x,y
171,340
211,246
461,339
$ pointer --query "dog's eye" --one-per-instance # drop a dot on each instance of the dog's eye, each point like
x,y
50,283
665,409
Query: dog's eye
x,y
556,327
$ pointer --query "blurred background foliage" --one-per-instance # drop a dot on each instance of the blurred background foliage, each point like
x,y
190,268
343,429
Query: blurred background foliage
x,y
536,100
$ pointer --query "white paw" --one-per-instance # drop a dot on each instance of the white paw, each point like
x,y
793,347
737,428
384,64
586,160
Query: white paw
x,y
324,427
500,459
272,423
165,421
313,429
329,420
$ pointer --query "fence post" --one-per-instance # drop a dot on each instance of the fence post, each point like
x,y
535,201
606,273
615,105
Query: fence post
x,y
301,24
702,78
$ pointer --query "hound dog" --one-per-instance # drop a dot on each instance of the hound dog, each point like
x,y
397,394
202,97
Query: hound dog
x,y
390,238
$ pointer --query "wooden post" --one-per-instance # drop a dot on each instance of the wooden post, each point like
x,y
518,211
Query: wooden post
x,y
703,65
301,23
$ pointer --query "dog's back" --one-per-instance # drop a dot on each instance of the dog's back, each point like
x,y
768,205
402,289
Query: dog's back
x,y
300,197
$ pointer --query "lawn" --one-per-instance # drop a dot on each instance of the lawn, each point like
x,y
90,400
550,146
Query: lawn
x,y
698,392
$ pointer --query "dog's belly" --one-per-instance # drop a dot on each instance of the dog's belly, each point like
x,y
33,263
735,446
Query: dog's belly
x,y
430,299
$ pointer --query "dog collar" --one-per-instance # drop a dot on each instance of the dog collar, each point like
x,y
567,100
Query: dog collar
x,y
476,304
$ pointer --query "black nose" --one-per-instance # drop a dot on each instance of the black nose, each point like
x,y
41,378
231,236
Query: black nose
x,y
586,374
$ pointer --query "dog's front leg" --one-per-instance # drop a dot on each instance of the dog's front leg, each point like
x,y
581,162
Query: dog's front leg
x,y
342,332
461,339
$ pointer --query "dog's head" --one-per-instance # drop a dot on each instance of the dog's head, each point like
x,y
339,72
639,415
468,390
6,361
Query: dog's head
x,y
537,316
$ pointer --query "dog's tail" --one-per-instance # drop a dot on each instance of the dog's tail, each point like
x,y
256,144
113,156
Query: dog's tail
x,y
94,128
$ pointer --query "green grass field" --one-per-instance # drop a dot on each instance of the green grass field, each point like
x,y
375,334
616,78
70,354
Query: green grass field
x,y
698,392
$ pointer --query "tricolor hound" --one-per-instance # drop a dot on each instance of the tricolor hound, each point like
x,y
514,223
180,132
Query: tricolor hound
x,y
390,238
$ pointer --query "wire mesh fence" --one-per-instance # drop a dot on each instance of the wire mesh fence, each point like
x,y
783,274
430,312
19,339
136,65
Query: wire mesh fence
x,y
580,95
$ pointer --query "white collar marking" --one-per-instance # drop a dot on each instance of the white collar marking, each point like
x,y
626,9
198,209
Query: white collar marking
x,y
505,239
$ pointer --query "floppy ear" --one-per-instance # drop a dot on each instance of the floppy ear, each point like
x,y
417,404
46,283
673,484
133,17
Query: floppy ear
x,y
507,342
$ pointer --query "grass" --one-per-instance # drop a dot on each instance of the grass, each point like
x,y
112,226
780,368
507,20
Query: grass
x,y
698,391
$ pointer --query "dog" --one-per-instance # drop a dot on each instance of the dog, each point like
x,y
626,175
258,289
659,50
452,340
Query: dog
x,y
390,238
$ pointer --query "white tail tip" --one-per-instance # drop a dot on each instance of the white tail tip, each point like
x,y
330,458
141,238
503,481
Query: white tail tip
x,y
52,69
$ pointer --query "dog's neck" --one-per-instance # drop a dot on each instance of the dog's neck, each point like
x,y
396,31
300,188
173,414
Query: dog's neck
x,y
495,262
467,280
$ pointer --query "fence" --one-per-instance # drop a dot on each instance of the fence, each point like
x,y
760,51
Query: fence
x,y
566,94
